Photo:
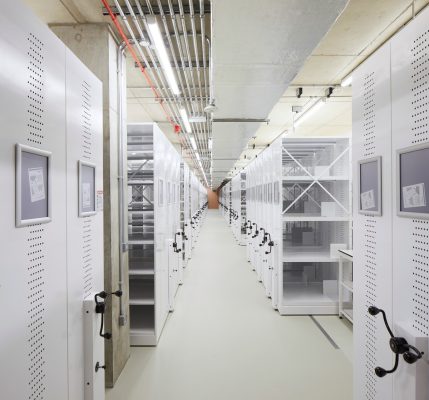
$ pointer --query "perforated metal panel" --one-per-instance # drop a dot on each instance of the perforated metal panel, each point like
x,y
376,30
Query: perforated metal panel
x,y
369,113
36,91
84,234
370,298
420,272
36,305
372,246
33,291
419,87
88,255
410,86
87,118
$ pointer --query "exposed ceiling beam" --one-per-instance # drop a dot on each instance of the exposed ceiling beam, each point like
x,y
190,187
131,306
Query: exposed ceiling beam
x,y
73,9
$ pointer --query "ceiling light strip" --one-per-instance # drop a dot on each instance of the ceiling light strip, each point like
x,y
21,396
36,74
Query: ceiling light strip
x,y
134,55
161,51
304,115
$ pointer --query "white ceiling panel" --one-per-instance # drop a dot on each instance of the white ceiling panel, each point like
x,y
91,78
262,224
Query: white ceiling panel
x,y
258,49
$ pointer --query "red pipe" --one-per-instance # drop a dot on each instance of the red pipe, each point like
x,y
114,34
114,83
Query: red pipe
x,y
142,68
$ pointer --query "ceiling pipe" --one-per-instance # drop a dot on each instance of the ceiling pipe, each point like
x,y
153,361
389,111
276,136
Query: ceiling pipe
x,y
206,81
200,126
185,72
149,9
171,99
197,59
246,120
179,76
142,68
162,87
155,76
211,88
191,70
121,200
174,99
169,95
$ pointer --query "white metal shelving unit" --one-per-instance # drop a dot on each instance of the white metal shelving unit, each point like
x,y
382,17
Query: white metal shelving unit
x,y
298,214
165,205
345,284
141,234
237,212
316,211
263,224
243,213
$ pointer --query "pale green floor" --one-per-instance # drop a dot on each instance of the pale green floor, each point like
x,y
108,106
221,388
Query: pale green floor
x,y
225,342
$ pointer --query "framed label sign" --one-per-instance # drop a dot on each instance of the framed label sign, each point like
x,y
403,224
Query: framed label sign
x,y
413,181
87,190
32,186
370,190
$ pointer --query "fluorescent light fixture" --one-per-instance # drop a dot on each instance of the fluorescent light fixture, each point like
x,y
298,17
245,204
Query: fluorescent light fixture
x,y
321,102
161,51
185,120
210,144
347,81
198,118
193,143
198,157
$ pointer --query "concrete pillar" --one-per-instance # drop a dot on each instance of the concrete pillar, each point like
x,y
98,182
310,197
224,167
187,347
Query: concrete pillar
x,y
97,49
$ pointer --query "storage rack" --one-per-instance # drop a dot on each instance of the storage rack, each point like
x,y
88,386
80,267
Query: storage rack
x,y
166,206
316,211
237,211
345,287
243,208
298,208
141,239
162,194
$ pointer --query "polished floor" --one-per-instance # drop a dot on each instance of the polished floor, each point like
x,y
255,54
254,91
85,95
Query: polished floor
x,y
225,342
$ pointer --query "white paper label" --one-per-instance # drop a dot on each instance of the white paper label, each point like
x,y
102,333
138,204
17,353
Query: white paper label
x,y
414,195
86,195
367,200
100,199
37,185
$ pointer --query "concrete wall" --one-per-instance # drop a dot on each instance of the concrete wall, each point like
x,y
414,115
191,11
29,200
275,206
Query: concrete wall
x,y
96,47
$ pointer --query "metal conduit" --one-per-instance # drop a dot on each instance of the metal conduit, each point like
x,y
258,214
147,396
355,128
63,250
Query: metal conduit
x,y
193,83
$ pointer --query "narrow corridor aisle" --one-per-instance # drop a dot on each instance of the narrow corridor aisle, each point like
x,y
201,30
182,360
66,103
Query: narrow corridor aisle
x,y
225,342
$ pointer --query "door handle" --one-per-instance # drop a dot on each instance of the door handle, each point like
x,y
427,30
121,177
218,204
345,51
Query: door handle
x,y
256,231
270,244
398,345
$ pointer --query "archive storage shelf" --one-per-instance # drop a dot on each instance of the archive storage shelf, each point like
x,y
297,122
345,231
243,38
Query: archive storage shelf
x,y
243,213
141,234
166,203
316,207
236,189
298,205
153,218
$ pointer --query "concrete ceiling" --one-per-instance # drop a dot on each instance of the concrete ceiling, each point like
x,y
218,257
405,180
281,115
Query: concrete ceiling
x,y
261,55
258,49
359,31
67,11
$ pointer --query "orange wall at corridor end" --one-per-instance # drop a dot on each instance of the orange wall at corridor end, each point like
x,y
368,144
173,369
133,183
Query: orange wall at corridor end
x,y
212,199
